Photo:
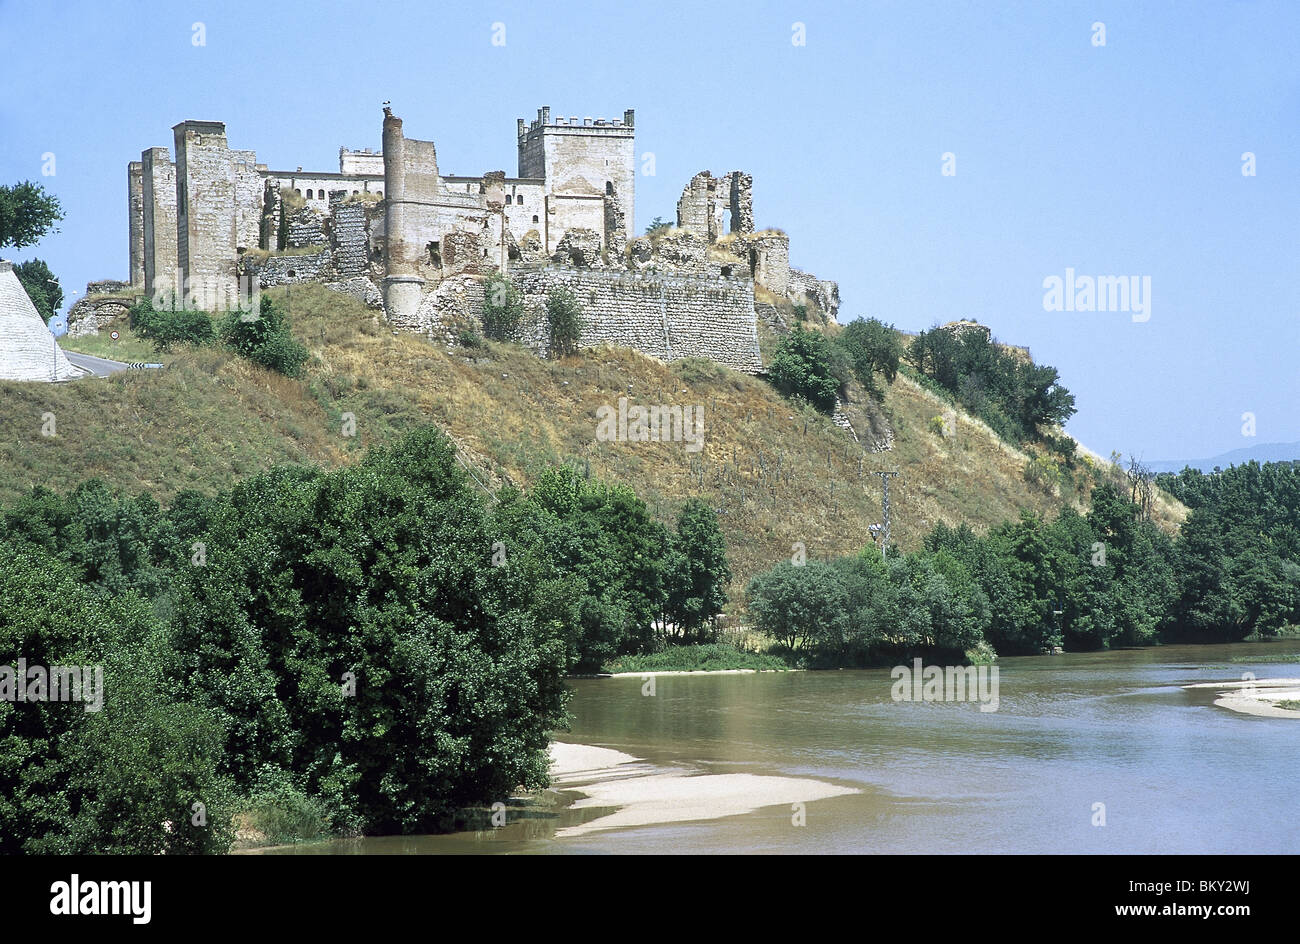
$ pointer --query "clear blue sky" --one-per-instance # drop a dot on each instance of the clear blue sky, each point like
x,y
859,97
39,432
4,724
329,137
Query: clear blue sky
x,y
1120,160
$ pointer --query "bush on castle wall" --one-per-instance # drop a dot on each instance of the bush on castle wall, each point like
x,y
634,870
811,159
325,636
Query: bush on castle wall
x,y
503,309
564,318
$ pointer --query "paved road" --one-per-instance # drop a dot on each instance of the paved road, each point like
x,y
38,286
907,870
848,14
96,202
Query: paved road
x,y
96,365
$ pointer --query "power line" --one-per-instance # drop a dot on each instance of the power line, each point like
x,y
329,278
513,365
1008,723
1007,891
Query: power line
x,y
487,491
885,476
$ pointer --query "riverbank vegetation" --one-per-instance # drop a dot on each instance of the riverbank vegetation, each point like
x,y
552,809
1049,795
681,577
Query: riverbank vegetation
x,y
706,657
1105,579
368,649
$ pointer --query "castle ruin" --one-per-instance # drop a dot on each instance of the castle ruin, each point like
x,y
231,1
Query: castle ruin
x,y
389,228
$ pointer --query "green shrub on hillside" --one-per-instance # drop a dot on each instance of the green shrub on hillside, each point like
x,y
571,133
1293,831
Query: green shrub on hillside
x,y
806,365
264,338
166,327
1019,399
873,347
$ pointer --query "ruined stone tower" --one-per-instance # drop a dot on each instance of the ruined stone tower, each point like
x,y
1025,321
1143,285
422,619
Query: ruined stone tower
x,y
402,283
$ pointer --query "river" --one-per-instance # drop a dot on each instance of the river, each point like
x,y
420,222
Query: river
x,y
1175,773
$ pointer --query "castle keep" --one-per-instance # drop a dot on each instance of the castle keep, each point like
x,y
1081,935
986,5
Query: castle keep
x,y
389,228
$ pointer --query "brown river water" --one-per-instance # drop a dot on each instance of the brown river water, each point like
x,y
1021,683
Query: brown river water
x,y
1176,774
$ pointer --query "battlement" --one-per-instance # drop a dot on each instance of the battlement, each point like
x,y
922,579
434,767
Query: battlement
x,y
367,161
542,123
190,126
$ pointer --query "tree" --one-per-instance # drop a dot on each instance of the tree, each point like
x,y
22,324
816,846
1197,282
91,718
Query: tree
x,y
657,224
804,365
119,778
1015,396
503,309
350,628
697,577
873,348
27,213
564,317
41,287
797,605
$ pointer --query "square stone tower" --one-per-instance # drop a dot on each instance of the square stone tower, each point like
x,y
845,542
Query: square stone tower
x,y
135,228
158,223
218,210
583,161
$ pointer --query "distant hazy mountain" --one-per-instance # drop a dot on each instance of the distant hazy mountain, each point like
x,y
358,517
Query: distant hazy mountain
x,y
1264,452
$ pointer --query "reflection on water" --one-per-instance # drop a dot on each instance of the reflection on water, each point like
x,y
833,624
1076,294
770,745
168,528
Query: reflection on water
x,y
1175,773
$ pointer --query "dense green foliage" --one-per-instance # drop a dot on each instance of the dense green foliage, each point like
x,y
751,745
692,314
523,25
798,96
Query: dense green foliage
x,y
873,348
369,649
41,287
807,365
27,213
564,319
503,309
1108,578
119,780
697,571
1019,399
611,577
167,327
1241,568
264,338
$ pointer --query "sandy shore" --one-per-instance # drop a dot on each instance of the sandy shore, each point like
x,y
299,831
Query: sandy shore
x,y
646,795
1257,697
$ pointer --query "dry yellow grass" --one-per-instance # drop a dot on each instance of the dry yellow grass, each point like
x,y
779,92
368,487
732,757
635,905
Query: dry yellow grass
x,y
775,475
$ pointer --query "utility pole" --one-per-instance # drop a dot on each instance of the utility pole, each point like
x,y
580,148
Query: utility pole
x,y
885,476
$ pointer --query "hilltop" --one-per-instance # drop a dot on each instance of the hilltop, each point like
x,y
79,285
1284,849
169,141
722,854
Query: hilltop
x,y
776,475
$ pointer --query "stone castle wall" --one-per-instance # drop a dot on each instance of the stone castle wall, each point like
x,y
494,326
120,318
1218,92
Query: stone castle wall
x,y
351,237
135,217
206,209
158,188
430,240
666,316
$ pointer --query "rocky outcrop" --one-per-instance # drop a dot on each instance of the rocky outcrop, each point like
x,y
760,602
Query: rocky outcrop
x,y
805,288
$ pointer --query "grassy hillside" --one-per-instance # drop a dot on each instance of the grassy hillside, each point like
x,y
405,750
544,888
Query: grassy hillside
x,y
776,475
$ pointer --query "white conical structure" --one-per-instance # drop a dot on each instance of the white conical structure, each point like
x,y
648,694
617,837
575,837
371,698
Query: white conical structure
x,y
27,349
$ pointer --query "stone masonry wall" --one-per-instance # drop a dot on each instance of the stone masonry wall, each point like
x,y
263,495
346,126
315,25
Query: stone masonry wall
x,y
304,227
159,222
288,269
456,304
88,315
350,236
206,207
666,316
135,227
